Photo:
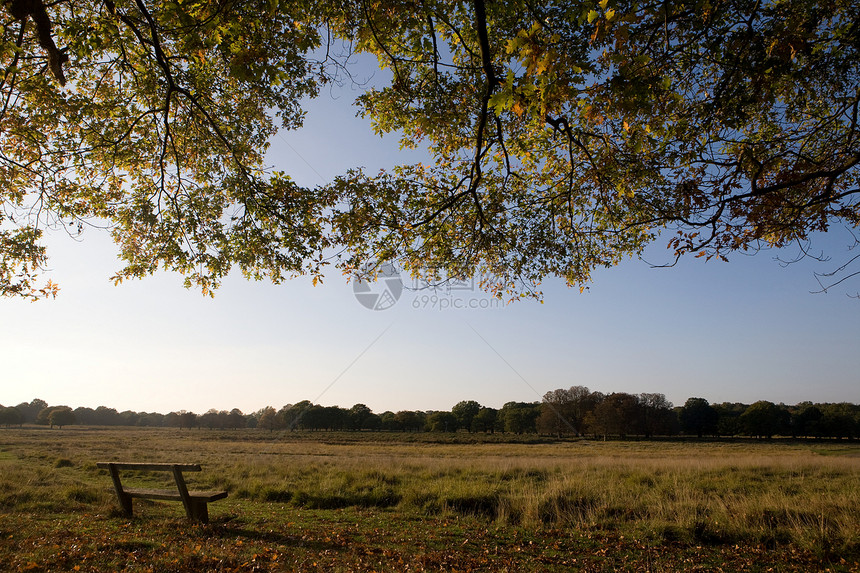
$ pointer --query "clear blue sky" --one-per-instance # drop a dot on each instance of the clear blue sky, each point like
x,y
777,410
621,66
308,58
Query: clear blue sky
x,y
739,331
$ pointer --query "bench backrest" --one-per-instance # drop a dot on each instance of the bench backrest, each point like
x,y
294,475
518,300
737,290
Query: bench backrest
x,y
150,467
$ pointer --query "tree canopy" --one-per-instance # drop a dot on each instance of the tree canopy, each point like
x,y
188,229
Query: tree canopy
x,y
153,121
562,136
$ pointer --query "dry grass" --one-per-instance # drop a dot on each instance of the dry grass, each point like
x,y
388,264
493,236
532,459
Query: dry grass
x,y
766,494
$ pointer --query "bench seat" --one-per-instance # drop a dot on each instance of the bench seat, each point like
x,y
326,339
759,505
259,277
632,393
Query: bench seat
x,y
173,495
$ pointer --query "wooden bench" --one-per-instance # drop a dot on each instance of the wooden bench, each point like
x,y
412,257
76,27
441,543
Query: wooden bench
x,y
195,502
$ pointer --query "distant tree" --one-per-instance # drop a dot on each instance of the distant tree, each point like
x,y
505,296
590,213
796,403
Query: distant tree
x,y
188,419
518,421
617,414
563,411
211,419
583,402
337,418
806,420
128,418
465,412
30,410
292,416
764,419
85,416
236,419
388,421
485,420
728,415
61,416
411,421
373,422
270,420
557,413
595,426
698,417
657,415
840,420
587,422
313,418
318,417
150,419
519,417
107,416
442,422
11,416
42,418
359,416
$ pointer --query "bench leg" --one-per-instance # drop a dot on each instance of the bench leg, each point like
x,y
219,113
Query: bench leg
x,y
125,502
124,499
200,511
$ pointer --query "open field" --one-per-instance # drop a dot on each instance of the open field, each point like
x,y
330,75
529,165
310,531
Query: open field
x,y
386,502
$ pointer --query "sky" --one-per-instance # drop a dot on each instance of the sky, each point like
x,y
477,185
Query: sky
x,y
741,331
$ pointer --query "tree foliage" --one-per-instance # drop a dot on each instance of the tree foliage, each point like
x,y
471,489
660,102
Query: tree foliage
x,y
765,419
563,136
465,413
156,127
56,416
698,417
442,422
10,416
592,413
30,410
564,411
269,419
567,135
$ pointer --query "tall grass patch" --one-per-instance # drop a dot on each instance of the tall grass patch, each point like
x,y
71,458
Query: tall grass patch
x,y
712,494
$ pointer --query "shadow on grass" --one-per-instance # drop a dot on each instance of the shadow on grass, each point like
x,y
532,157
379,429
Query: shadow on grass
x,y
229,528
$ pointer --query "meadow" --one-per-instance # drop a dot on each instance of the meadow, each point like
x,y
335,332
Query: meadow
x,y
307,501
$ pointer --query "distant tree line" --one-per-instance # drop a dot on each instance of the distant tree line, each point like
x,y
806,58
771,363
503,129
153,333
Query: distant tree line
x,y
575,411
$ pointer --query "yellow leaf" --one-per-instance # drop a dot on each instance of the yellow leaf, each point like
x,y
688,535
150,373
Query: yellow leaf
x,y
610,14
603,4
593,15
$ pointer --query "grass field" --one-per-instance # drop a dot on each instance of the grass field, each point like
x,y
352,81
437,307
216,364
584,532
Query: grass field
x,y
386,502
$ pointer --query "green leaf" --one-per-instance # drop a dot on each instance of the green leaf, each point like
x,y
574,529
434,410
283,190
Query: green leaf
x,y
500,101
